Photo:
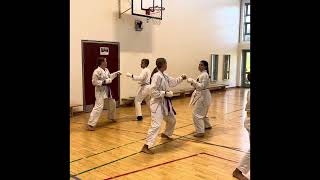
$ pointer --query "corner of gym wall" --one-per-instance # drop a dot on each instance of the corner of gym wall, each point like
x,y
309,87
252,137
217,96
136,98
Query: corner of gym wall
x,y
243,45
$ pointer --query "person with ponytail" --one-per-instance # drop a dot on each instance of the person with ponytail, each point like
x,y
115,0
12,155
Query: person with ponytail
x,y
160,104
201,99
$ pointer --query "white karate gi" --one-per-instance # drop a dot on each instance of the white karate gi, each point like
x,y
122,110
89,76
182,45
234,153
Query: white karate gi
x,y
102,92
244,165
161,107
201,100
143,91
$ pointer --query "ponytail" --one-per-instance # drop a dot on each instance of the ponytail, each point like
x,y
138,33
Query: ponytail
x,y
208,72
155,70
159,63
206,65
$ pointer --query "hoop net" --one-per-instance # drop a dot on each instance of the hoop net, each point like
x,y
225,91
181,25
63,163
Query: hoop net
x,y
155,12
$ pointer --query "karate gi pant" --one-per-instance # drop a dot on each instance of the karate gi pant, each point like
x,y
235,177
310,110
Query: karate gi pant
x,y
156,120
98,107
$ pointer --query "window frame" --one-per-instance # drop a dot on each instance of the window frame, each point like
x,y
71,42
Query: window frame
x,y
214,70
226,66
246,24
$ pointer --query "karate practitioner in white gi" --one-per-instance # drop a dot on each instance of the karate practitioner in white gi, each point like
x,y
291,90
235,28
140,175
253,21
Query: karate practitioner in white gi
x,y
161,105
101,79
244,165
201,100
144,89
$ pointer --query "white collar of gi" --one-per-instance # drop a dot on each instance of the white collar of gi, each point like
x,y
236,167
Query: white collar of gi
x,y
204,71
165,76
101,68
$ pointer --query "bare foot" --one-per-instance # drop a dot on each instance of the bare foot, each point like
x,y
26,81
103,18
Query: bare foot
x,y
199,135
145,149
91,128
113,120
238,174
165,136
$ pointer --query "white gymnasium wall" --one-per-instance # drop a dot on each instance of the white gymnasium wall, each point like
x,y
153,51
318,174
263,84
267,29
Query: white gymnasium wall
x,y
189,32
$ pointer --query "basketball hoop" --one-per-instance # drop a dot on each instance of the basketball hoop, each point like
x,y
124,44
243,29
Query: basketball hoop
x,y
156,12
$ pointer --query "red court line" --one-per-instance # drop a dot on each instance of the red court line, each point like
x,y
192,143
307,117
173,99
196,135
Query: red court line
x,y
168,163
151,167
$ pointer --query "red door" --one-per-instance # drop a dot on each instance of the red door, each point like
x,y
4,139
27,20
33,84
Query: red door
x,y
91,50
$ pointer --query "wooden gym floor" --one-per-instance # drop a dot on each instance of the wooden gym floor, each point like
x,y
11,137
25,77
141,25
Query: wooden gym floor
x,y
113,150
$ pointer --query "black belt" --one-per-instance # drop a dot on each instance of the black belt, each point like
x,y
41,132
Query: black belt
x,y
168,105
109,91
